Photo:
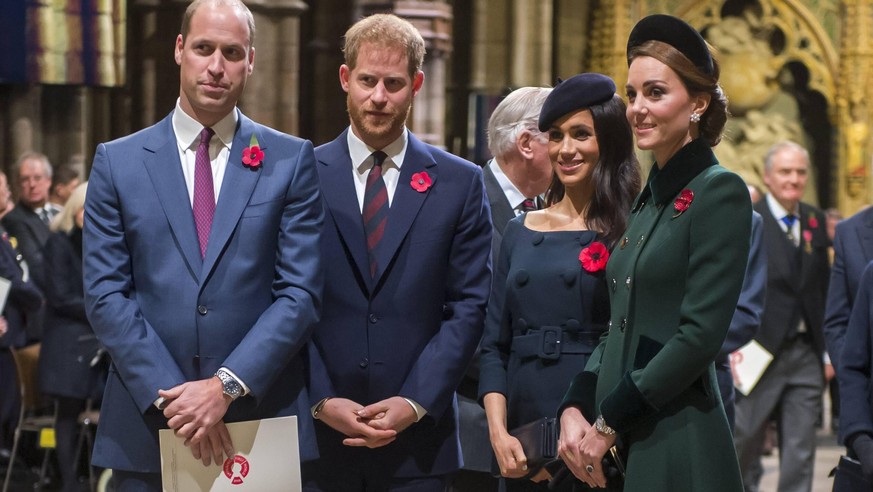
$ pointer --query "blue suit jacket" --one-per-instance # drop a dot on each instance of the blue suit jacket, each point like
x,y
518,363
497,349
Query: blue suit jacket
x,y
853,248
412,329
856,365
167,316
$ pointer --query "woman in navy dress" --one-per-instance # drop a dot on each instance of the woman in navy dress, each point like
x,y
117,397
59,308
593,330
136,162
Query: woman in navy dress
x,y
69,346
549,303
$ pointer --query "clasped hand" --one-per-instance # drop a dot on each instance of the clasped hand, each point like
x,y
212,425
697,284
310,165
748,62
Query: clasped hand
x,y
372,426
581,447
194,410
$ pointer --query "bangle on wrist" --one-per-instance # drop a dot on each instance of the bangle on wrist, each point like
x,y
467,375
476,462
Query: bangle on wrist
x,y
319,407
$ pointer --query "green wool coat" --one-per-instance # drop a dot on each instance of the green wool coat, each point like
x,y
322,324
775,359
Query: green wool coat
x,y
674,280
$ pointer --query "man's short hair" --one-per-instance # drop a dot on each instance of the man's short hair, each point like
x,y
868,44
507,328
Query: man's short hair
x,y
779,147
517,112
386,31
37,156
237,4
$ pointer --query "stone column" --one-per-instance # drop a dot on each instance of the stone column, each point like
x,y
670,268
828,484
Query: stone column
x,y
854,111
272,92
530,37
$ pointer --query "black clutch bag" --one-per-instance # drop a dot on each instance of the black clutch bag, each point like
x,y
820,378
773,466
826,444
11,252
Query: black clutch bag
x,y
539,440
848,477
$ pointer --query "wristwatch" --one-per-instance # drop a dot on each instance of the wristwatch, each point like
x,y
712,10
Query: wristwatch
x,y
600,426
230,386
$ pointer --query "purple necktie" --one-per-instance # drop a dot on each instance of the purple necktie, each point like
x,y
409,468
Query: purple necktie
x,y
375,208
204,192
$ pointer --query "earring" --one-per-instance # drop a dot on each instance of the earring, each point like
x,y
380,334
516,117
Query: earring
x,y
695,117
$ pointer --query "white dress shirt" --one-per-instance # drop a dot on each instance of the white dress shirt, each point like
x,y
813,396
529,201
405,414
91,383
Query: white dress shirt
x,y
513,196
362,162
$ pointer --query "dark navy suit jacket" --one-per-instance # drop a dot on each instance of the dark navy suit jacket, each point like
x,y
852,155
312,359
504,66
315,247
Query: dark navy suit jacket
x,y
167,316
412,329
856,364
853,248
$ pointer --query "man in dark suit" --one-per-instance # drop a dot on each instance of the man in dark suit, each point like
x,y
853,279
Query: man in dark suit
x,y
853,249
747,316
29,221
202,268
408,231
515,178
797,277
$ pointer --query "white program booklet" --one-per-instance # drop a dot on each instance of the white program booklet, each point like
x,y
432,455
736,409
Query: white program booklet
x,y
267,459
5,285
748,364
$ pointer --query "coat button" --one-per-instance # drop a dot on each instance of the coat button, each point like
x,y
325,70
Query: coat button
x,y
623,324
627,282
202,309
364,363
373,318
613,284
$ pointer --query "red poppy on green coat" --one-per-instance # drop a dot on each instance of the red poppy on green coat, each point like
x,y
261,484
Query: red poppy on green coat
x,y
682,202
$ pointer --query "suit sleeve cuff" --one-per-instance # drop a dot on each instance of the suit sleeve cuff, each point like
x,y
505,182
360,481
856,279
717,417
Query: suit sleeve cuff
x,y
625,406
245,389
581,394
420,412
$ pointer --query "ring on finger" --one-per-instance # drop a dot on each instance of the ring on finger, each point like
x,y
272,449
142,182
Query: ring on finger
x,y
589,468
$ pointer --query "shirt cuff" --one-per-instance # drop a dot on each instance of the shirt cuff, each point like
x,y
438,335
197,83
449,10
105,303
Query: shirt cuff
x,y
420,412
827,358
245,389
159,403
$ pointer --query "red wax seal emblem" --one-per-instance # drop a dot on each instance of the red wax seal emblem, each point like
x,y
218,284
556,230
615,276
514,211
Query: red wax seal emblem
x,y
236,478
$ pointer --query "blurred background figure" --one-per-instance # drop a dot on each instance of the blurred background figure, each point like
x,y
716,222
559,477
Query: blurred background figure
x,y
24,298
65,179
70,365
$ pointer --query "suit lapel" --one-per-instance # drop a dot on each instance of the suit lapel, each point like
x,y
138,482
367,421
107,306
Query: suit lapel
x,y
501,209
783,253
236,190
165,172
865,234
407,201
338,192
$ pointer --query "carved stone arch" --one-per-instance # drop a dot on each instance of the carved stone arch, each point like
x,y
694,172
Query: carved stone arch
x,y
779,66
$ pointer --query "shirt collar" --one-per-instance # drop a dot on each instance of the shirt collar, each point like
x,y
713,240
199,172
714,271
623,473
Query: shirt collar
x,y
513,196
188,129
778,210
360,151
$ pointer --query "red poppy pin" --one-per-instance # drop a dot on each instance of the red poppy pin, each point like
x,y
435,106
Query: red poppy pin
x,y
682,202
253,156
807,236
594,257
420,182
813,222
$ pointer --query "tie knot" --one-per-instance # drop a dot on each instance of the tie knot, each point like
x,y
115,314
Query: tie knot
x,y
528,205
206,135
378,158
789,220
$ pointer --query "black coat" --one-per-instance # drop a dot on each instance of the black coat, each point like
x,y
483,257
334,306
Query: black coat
x,y
24,297
68,343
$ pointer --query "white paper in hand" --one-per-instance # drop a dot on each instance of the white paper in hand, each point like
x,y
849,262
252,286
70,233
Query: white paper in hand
x,y
748,364
5,285
267,459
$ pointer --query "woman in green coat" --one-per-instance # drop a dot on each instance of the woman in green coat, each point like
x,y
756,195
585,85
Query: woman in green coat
x,y
674,279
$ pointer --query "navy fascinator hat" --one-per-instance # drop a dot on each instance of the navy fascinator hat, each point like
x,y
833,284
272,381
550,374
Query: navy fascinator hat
x,y
579,91
675,32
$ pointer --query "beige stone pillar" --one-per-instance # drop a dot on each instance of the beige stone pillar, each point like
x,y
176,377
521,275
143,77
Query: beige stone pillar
x,y
272,92
854,110
530,36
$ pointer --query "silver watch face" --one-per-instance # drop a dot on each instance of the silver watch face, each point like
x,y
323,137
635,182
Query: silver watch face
x,y
229,385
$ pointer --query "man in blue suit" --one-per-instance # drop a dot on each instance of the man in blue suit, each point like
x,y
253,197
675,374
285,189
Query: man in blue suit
x,y
853,249
202,271
408,231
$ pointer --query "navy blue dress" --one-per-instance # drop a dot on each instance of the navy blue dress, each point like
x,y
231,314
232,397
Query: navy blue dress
x,y
541,294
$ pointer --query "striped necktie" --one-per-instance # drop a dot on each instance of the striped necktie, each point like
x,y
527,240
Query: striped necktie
x,y
375,212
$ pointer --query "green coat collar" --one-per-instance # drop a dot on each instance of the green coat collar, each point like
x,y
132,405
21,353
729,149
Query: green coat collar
x,y
664,184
